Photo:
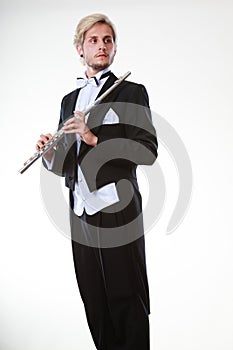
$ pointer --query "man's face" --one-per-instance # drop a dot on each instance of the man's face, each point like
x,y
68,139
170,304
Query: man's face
x,y
98,49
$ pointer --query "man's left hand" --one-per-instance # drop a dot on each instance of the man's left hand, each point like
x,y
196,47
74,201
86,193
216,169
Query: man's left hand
x,y
77,125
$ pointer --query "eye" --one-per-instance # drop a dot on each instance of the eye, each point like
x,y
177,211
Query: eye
x,y
93,40
108,40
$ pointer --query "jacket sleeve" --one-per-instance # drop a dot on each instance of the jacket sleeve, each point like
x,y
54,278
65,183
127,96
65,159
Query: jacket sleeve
x,y
134,138
66,148
139,141
127,144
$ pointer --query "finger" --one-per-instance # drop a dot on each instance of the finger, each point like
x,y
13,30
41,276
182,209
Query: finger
x,y
50,136
70,121
76,125
79,115
72,129
40,144
45,138
69,127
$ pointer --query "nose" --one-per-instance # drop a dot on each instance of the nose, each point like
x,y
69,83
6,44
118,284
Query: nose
x,y
103,47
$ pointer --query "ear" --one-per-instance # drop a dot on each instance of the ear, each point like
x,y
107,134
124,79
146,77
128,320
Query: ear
x,y
115,50
79,50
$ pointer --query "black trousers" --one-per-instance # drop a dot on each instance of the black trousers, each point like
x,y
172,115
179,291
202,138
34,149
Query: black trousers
x,y
112,282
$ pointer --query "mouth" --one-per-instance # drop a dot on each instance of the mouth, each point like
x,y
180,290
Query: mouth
x,y
101,55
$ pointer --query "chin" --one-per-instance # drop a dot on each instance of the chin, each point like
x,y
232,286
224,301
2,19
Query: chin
x,y
101,66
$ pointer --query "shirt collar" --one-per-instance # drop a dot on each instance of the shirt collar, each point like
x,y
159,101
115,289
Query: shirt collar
x,y
99,74
95,80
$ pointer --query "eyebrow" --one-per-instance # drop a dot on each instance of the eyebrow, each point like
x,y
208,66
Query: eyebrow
x,y
96,36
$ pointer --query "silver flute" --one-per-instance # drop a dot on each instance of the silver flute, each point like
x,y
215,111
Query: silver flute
x,y
60,133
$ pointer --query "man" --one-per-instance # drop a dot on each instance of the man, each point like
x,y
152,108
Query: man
x,y
98,157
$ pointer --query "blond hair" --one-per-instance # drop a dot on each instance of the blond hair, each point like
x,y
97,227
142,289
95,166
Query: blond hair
x,y
87,22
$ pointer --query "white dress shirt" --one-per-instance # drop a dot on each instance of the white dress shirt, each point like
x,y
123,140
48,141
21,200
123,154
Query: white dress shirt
x,y
107,195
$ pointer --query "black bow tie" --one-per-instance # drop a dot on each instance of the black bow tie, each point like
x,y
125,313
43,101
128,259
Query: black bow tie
x,y
82,82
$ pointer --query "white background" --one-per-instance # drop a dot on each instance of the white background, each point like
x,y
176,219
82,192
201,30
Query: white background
x,y
182,52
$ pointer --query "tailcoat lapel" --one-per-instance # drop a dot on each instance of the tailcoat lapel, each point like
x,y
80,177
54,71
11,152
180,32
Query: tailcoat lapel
x,y
96,116
70,104
67,112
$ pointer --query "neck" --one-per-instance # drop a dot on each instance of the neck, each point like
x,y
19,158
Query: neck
x,y
91,71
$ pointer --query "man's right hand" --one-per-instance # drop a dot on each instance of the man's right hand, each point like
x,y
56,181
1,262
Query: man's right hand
x,y
41,143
